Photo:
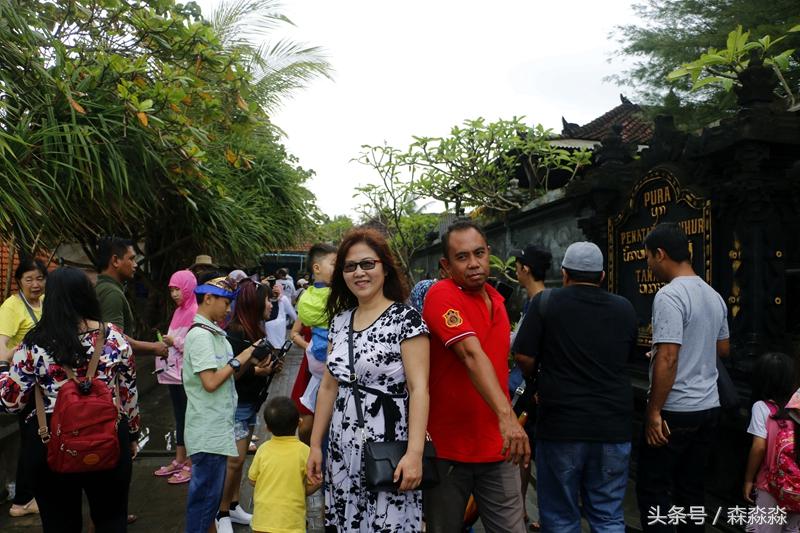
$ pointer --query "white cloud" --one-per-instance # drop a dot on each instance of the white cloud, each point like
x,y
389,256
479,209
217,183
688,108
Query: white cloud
x,y
415,67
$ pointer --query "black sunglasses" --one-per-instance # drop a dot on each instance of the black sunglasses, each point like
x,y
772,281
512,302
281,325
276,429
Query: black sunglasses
x,y
366,264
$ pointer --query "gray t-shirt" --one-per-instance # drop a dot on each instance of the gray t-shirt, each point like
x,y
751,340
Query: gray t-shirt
x,y
687,311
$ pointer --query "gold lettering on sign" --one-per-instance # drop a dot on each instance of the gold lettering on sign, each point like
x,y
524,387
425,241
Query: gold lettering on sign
x,y
634,236
637,254
644,275
650,288
659,196
693,226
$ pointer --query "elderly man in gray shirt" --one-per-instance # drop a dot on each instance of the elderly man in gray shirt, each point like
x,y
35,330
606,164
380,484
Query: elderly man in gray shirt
x,y
690,329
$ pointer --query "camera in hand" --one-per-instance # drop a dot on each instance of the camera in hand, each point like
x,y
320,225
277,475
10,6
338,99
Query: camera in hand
x,y
283,351
263,348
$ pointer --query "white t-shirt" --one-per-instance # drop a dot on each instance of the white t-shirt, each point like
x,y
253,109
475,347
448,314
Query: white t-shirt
x,y
758,420
276,329
689,312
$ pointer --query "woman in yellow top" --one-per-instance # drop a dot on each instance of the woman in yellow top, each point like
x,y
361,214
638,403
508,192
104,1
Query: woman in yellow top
x,y
18,314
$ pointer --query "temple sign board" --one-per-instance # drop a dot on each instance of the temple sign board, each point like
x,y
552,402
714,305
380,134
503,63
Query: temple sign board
x,y
656,198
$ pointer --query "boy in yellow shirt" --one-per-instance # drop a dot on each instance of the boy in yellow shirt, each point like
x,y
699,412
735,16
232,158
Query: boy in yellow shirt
x,y
278,473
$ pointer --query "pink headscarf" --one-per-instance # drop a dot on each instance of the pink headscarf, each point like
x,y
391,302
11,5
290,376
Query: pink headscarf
x,y
184,314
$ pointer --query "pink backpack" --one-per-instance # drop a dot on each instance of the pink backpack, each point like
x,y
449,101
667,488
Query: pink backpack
x,y
783,476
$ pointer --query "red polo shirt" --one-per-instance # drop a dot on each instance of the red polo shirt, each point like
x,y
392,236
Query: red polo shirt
x,y
462,425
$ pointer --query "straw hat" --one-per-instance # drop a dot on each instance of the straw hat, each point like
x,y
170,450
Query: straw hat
x,y
203,260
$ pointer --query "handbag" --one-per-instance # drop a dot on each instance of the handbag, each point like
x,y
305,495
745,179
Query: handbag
x,y
728,394
381,458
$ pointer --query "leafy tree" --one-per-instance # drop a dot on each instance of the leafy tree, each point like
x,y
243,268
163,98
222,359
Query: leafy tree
x,y
723,67
674,32
474,165
392,205
332,229
278,68
139,118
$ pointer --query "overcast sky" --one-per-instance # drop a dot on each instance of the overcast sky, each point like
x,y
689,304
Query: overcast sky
x,y
412,67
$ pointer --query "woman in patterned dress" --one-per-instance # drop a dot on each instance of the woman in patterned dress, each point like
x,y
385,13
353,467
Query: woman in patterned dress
x,y
391,363
65,337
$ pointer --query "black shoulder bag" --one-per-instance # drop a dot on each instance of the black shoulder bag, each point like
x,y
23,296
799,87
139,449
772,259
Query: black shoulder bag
x,y
381,458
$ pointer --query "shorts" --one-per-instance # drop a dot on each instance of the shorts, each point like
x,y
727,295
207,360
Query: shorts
x,y
246,417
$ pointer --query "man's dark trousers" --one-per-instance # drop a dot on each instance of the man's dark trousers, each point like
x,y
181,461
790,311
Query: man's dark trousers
x,y
674,474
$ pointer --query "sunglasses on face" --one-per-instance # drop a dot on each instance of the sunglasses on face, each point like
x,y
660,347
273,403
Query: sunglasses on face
x,y
366,264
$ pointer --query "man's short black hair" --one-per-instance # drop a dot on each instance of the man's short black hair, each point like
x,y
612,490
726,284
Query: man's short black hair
x,y
459,225
584,277
318,251
671,238
538,260
109,247
281,416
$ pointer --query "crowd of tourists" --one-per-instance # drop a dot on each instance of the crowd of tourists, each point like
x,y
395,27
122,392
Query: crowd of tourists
x,y
404,411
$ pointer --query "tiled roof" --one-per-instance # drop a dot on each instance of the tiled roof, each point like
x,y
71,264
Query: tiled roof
x,y
635,128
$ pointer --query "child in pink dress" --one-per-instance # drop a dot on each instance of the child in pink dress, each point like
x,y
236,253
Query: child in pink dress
x,y
181,289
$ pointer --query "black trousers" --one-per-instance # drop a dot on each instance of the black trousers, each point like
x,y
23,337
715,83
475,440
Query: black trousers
x,y
178,396
674,474
59,496
25,476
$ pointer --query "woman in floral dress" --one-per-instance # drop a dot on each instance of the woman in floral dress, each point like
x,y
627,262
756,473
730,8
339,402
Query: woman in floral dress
x,y
392,363
65,338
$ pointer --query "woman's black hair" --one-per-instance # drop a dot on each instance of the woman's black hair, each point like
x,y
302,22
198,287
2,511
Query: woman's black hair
x,y
774,378
26,264
248,314
69,298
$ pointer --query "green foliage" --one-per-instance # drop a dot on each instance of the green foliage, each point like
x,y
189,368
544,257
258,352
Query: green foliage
x,y
332,230
392,205
503,267
722,67
474,166
141,118
674,32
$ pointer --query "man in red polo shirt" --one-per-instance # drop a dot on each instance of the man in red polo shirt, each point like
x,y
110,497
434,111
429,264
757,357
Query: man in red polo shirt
x,y
471,422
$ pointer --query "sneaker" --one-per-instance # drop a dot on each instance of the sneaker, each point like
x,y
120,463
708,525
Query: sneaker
x,y
21,510
168,470
240,516
224,525
184,475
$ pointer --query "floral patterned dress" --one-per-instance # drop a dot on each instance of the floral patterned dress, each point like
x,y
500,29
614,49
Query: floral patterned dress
x,y
378,363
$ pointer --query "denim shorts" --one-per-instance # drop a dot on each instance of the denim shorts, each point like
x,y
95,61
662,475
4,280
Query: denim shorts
x,y
246,417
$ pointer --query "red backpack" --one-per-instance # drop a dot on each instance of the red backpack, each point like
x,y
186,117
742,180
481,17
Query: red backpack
x,y
84,421
783,476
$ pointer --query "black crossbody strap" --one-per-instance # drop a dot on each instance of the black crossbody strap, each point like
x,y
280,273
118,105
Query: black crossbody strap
x,y
205,327
353,375
29,308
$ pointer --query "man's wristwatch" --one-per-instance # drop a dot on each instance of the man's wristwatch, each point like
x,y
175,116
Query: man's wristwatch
x,y
235,364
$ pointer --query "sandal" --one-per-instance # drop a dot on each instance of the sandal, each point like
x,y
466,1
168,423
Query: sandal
x,y
168,470
18,510
184,475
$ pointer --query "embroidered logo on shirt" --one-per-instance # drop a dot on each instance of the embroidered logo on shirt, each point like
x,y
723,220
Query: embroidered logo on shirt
x,y
452,318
